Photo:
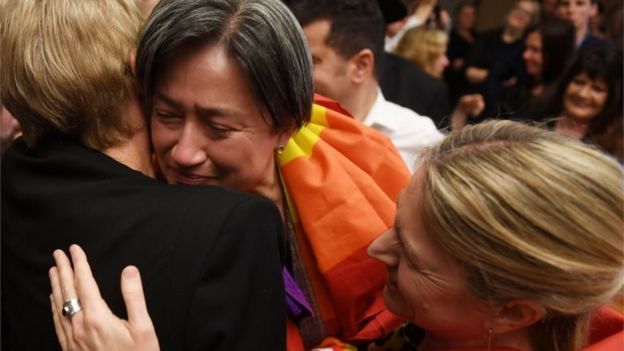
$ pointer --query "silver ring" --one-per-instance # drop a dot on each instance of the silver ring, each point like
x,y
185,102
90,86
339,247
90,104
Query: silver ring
x,y
71,307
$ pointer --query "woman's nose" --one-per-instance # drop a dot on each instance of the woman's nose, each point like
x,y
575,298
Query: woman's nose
x,y
188,150
384,248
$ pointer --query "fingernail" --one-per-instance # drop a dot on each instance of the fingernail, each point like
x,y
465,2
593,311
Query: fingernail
x,y
131,272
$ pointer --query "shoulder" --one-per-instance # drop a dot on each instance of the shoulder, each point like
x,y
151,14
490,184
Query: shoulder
x,y
203,203
406,125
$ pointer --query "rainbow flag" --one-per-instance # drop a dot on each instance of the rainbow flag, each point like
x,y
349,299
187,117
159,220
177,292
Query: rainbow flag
x,y
342,180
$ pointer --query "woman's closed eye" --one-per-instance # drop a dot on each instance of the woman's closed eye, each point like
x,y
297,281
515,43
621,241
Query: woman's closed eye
x,y
165,115
218,130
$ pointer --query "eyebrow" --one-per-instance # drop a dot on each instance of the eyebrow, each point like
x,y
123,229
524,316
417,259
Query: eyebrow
x,y
203,111
163,97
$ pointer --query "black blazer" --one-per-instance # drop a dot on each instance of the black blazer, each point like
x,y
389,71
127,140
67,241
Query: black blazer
x,y
407,85
210,258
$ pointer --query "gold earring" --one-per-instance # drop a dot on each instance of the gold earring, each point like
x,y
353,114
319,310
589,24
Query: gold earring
x,y
280,149
490,332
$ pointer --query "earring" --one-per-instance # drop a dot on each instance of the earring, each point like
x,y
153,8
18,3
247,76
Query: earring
x,y
280,149
490,332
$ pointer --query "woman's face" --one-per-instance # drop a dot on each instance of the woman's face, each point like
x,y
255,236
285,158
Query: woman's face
x,y
532,55
207,127
425,284
440,64
467,18
585,98
521,15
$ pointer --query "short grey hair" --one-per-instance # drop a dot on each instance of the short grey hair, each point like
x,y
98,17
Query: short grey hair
x,y
262,35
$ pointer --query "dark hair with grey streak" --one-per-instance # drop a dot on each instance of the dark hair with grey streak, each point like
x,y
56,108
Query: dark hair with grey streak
x,y
262,35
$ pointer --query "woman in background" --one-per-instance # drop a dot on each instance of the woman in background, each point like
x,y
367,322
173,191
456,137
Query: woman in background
x,y
426,47
548,49
522,91
461,41
588,100
497,45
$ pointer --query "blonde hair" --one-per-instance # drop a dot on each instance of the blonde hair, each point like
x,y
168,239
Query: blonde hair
x,y
531,214
423,45
64,66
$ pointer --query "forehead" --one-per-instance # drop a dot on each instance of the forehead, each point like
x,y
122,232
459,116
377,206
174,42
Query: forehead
x,y
418,242
597,79
207,67
316,34
534,38
527,5
409,202
575,2
207,78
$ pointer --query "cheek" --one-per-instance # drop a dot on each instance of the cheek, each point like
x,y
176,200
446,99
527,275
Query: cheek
x,y
245,158
416,294
601,100
162,138
569,93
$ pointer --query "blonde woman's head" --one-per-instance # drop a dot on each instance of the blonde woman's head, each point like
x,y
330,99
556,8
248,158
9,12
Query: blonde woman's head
x,y
65,66
425,46
530,214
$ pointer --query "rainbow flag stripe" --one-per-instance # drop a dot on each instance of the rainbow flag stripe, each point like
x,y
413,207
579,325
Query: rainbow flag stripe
x,y
342,180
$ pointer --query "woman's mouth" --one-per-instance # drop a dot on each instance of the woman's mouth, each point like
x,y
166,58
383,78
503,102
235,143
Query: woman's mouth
x,y
194,179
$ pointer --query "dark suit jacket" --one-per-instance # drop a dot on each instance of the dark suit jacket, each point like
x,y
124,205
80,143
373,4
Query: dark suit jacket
x,y
210,258
407,85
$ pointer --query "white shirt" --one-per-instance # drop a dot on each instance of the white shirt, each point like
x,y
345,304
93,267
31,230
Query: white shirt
x,y
392,42
409,131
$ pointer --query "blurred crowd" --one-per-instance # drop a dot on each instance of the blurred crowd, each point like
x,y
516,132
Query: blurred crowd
x,y
557,63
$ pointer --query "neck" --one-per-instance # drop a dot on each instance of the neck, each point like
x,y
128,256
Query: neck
x,y
537,89
135,151
572,127
465,33
581,33
271,187
361,99
516,340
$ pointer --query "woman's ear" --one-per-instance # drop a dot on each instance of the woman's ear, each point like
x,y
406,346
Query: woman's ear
x,y
284,136
515,314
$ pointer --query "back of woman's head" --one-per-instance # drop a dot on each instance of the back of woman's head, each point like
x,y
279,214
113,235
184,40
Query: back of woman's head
x,y
423,45
558,40
64,66
533,215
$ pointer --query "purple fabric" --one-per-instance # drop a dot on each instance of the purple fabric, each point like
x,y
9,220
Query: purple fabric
x,y
298,305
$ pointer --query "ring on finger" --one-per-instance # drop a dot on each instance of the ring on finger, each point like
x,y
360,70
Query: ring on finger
x,y
71,307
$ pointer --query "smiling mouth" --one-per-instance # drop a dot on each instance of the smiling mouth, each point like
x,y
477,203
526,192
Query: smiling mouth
x,y
194,179
581,104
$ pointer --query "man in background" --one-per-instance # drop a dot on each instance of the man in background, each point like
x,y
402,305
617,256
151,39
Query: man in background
x,y
346,39
579,13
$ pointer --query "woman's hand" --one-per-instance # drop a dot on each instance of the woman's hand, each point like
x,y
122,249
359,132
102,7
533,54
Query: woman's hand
x,y
95,327
468,106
